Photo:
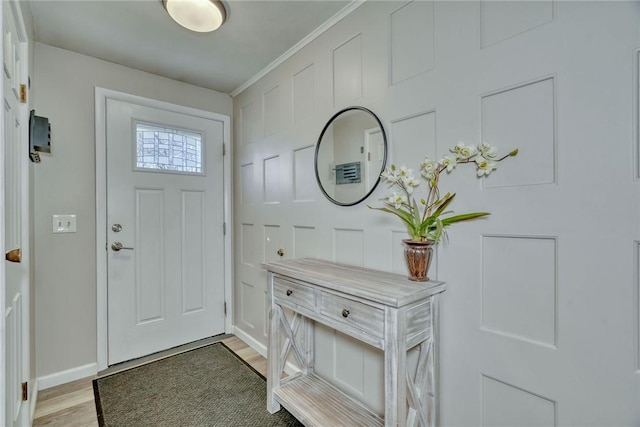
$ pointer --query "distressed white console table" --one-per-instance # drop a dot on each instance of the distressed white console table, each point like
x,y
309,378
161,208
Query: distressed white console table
x,y
382,309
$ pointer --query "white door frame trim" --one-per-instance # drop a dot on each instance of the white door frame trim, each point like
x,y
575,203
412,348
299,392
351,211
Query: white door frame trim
x,y
101,96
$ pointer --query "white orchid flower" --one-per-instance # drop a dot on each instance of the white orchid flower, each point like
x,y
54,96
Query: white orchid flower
x,y
410,182
487,150
405,171
449,161
397,200
485,166
428,168
390,174
463,151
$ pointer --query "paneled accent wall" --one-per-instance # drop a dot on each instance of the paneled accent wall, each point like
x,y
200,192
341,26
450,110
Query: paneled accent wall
x,y
540,325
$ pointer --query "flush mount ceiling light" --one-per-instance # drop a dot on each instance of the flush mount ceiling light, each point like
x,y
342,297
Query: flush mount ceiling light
x,y
201,16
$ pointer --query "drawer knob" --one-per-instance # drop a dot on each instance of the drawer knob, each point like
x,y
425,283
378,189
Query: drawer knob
x,y
289,292
345,313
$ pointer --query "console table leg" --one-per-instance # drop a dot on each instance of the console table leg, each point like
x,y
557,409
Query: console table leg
x,y
395,367
273,365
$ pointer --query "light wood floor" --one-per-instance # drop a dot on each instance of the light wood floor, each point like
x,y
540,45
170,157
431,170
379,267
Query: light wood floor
x,y
72,404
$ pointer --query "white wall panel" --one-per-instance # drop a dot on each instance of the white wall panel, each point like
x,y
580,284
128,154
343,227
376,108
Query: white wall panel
x,y
193,251
414,138
501,20
250,123
350,372
248,247
348,246
272,243
351,366
412,40
248,304
272,113
247,185
305,187
505,405
519,287
304,94
522,117
347,72
304,242
272,180
398,263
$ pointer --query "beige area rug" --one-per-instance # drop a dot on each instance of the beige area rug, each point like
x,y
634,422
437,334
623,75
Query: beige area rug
x,y
208,386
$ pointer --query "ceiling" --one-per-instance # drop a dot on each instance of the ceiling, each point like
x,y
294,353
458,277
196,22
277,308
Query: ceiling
x,y
140,34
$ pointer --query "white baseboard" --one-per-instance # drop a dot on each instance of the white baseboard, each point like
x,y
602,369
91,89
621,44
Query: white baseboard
x,y
250,341
67,376
290,368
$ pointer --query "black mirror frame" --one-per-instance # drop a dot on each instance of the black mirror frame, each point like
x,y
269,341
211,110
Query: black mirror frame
x,y
384,159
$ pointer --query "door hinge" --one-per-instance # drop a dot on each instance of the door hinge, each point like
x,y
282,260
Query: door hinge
x,y
225,308
224,149
224,228
25,392
369,156
23,93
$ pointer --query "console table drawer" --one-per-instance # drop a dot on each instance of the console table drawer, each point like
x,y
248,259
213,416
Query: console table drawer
x,y
362,316
294,293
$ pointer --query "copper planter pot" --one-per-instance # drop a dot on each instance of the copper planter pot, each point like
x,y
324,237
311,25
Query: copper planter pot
x,y
418,256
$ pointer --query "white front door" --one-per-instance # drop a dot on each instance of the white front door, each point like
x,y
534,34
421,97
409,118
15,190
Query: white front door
x,y
16,271
165,208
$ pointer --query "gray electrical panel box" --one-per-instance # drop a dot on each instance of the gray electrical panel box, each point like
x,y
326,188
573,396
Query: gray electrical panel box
x,y
348,173
39,133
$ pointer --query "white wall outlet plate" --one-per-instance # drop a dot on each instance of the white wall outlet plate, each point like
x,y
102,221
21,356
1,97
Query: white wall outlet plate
x,y
64,223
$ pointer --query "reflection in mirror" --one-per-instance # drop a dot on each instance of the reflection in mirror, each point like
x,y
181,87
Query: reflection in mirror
x,y
350,156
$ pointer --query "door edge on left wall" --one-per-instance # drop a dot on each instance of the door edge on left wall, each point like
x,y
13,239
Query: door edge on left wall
x,y
21,302
101,97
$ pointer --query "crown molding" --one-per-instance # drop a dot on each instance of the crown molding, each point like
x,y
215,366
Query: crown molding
x,y
298,46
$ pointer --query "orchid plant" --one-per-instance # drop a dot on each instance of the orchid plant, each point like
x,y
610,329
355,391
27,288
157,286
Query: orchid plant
x,y
426,220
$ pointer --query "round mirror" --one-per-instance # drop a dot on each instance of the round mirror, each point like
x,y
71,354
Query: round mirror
x,y
350,156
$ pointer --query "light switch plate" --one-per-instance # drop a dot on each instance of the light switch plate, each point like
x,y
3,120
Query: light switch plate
x,y
64,223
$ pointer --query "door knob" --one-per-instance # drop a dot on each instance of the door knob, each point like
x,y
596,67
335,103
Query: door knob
x,y
280,252
116,228
118,246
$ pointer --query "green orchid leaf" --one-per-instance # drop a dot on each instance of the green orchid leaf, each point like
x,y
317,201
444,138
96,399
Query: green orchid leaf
x,y
463,217
416,213
448,198
403,215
